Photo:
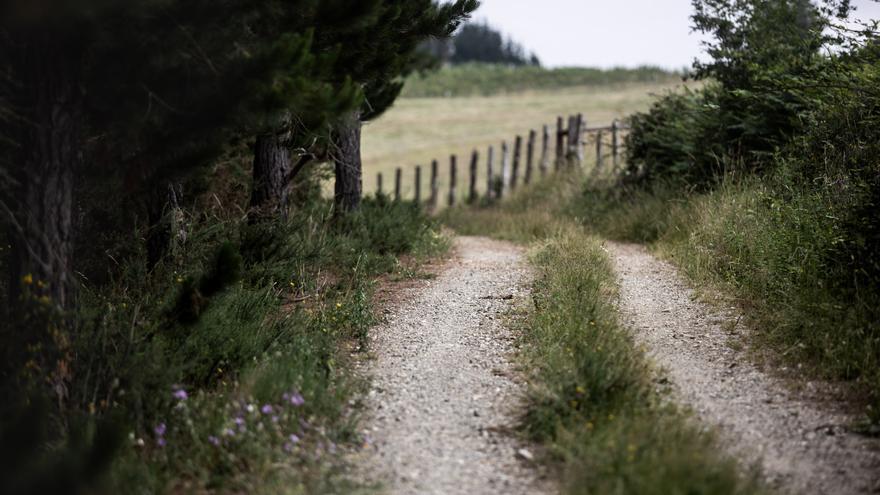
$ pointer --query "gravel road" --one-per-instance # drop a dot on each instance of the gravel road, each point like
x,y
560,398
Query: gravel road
x,y
802,445
444,390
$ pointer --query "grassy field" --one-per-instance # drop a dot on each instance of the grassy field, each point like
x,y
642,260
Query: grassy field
x,y
418,130
487,79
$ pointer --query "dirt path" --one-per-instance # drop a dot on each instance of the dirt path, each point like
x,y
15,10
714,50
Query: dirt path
x,y
444,390
802,446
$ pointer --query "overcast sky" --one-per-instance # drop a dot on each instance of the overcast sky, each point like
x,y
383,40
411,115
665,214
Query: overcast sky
x,y
607,33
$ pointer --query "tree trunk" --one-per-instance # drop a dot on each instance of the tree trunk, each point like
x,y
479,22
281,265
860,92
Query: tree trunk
x,y
347,157
271,166
39,208
50,139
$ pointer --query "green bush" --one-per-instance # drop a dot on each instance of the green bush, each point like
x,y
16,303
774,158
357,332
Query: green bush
x,y
768,181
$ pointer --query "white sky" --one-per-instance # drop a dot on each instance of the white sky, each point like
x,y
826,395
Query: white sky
x,y
607,33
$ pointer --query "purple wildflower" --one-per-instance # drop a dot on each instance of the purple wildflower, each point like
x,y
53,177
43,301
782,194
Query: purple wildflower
x,y
266,409
160,429
229,432
214,441
239,421
160,442
297,399
179,393
294,439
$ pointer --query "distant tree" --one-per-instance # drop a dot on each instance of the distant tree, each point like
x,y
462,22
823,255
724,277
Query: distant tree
x,y
480,42
440,49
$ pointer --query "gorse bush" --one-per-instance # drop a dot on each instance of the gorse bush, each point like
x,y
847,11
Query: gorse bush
x,y
768,71
676,140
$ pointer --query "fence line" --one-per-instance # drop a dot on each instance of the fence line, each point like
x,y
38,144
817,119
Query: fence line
x,y
572,139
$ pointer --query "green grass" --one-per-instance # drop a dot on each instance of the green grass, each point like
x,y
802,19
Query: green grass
x,y
284,330
418,130
489,80
592,401
775,251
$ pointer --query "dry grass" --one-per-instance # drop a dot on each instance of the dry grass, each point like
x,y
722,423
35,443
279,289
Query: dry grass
x,y
418,130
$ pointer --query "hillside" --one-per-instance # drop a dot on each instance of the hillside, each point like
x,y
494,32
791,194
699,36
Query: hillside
x,y
488,80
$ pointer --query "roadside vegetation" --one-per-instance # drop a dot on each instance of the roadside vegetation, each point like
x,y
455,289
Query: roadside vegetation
x,y
180,302
764,183
593,401
478,79
225,368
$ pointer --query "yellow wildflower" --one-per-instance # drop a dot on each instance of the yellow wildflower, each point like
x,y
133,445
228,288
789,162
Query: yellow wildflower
x,y
28,279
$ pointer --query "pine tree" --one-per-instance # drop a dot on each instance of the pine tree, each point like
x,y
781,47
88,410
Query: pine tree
x,y
324,94
377,58
146,90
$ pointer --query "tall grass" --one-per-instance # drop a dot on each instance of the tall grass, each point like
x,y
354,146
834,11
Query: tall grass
x,y
776,251
216,380
592,401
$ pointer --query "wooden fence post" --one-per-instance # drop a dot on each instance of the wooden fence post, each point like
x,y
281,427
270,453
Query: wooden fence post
x,y
490,177
453,178
472,193
530,156
398,175
545,150
517,153
505,162
571,153
579,144
418,184
379,184
434,188
614,144
560,143
599,158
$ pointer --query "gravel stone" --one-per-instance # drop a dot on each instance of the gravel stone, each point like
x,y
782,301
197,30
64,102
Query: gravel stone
x,y
445,393
762,419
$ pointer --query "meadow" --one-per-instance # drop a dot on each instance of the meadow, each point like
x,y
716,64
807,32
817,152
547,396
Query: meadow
x,y
418,130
